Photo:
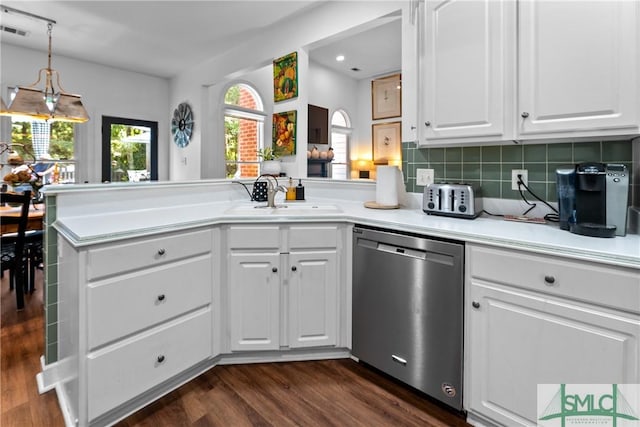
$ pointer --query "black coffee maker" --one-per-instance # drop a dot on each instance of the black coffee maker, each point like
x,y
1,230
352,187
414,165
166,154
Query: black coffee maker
x,y
591,201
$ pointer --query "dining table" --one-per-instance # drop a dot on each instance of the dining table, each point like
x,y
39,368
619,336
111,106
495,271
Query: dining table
x,y
35,221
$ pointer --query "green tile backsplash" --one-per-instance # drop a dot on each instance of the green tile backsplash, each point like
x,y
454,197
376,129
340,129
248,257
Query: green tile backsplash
x,y
490,166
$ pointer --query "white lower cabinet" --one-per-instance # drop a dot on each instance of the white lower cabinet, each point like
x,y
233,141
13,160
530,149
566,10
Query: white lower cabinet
x,y
284,286
134,316
534,319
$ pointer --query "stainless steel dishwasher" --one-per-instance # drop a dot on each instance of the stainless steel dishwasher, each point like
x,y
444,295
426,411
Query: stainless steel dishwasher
x,y
408,309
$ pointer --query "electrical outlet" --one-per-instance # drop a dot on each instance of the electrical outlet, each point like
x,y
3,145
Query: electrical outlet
x,y
424,177
514,177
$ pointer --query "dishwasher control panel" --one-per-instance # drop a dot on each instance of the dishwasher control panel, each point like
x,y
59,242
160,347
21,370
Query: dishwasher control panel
x,y
457,200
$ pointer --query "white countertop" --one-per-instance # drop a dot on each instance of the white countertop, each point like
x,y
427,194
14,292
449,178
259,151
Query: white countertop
x,y
84,230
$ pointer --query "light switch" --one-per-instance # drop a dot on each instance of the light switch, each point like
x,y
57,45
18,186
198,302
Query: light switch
x,y
424,177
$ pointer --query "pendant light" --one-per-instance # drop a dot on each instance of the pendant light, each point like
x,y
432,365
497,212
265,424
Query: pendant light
x,y
51,103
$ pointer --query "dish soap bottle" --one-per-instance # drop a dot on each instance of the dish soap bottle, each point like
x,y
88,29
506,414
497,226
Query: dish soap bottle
x,y
291,190
300,191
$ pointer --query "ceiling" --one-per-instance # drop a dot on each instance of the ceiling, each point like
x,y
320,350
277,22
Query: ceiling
x,y
161,38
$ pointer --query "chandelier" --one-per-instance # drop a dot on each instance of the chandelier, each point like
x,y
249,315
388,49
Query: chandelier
x,y
51,103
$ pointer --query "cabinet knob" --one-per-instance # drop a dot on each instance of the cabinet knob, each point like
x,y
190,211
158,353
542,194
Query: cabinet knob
x,y
427,124
161,251
294,268
475,304
524,115
274,269
161,297
413,128
549,280
160,359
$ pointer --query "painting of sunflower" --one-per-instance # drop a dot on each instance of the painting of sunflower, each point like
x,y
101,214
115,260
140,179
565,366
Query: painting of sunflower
x,y
285,77
284,133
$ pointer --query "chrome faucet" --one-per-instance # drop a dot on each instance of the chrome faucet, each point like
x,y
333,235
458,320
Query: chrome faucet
x,y
272,189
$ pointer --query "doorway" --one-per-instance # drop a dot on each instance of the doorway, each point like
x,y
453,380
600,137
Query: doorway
x,y
129,150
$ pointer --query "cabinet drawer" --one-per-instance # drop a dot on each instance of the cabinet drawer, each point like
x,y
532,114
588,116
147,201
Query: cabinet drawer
x,y
123,257
132,368
313,236
616,287
253,237
123,305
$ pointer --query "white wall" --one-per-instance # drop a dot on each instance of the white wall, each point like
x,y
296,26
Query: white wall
x,y
200,157
105,91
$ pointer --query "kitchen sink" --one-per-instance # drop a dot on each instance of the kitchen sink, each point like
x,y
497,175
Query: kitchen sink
x,y
284,210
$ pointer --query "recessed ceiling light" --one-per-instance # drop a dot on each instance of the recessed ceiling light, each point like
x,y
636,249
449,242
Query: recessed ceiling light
x,y
340,58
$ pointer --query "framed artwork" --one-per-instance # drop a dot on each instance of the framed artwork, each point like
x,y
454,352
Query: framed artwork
x,y
284,133
387,141
386,97
285,77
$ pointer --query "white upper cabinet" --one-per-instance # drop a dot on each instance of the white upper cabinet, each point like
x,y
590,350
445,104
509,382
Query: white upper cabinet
x,y
505,70
578,69
468,48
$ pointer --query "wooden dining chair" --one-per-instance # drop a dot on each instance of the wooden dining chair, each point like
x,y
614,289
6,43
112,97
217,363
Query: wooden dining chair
x,y
13,244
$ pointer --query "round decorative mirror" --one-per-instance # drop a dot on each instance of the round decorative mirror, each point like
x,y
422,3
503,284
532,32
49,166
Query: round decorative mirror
x,y
182,125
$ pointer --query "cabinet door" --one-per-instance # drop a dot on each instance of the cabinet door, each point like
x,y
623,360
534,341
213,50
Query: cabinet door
x,y
313,299
468,46
578,67
518,339
254,292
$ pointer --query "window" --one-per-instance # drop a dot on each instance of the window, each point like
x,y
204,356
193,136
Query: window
x,y
41,141
340,132
129,150
244,131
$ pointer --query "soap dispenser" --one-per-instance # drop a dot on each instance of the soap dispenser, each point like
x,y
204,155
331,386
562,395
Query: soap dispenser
x,y
300,191
291,190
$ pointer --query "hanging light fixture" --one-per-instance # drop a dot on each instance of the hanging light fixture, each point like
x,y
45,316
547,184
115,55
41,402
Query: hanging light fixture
x,y
51,103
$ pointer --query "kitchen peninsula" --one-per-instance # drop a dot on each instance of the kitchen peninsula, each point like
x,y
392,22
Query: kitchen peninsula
x,y
147,270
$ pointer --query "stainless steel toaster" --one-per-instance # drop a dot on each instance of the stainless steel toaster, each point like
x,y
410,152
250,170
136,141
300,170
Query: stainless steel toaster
x,y
457,200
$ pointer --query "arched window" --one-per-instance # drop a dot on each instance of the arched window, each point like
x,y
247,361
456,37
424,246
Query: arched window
x,y
340,133
244,131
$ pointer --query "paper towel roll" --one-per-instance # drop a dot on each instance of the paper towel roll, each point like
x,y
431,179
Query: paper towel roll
x,y
387,185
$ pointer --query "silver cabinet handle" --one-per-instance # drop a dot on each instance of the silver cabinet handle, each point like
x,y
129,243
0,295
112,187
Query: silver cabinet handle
x,y
524,114
427,124
398,359
475,304
274,269
161,297
160,359
549,280
161,251
294,268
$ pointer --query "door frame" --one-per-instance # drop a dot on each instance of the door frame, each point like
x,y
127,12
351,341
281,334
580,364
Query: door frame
x,y
107,121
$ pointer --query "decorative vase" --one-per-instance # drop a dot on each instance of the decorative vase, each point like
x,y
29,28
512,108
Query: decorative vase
x,y
270,167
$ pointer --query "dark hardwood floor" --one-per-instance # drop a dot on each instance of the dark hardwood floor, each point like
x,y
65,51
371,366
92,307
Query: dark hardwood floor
x,y
323,393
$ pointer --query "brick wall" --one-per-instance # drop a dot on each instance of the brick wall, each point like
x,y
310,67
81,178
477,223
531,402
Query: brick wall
x,y
247,136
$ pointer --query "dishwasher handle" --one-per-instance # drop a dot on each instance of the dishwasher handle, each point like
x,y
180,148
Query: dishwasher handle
x,y
399,250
